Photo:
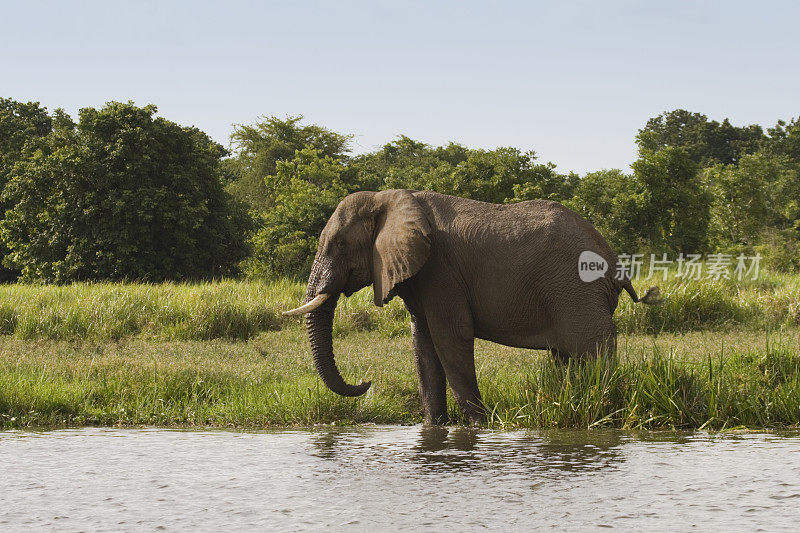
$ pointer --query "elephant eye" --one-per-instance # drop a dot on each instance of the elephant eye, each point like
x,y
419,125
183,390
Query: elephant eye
x,y
340,244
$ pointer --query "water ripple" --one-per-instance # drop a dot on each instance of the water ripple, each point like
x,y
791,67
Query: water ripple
x,y
401,478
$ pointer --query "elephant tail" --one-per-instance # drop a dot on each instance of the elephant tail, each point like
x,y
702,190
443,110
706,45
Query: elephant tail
x,y
652,296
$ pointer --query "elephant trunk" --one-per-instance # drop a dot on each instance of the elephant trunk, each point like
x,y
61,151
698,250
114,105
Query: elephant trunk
x,y
319,324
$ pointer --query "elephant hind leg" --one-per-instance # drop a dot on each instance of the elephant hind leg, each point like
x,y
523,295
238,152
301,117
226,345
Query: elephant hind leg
x,y
603,343
559,356
586,336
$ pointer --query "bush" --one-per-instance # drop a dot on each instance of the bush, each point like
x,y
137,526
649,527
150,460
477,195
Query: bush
x,y
123,195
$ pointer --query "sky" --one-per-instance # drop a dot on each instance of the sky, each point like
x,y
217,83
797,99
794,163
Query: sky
x,y
572,80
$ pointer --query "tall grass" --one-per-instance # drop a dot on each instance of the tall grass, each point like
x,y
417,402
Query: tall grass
x,y
241,309
758,389
772,301
174,311
271,381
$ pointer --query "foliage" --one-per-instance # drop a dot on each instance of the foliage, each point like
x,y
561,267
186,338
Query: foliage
x,y
307,189
697,186
260,146
780,249
497,176
750,180
678,205
784,139
616,204
122,195
19,123
310,188
759,193
706,142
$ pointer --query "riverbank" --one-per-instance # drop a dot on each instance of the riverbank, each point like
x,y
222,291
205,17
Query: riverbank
x,y
711,380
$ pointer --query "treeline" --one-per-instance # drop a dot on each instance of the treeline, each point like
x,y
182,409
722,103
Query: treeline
x,y
119,195
122,194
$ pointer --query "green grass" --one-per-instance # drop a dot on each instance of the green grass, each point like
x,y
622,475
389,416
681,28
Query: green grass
x,y
707,380
751,389
220,354
769,302
239,310
233,310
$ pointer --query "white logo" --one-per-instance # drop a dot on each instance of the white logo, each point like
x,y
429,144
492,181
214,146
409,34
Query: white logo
x,y
591,266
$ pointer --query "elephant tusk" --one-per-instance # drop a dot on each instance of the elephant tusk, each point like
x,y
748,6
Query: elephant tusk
x,y
318,300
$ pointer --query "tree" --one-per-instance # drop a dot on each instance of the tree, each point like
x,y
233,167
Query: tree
x,y
784,140
706,142
616,204
20,123
783,150
260,146
122,195
500,175
310,188
678,202
748,198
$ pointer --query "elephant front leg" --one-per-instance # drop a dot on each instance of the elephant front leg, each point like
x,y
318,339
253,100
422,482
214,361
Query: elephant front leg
x,y
432,384
455,345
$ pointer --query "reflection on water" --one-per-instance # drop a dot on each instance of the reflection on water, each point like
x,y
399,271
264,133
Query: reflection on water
x,y
454,449
396,477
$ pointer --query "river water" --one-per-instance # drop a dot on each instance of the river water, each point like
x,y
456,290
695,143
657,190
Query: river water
x,y
396,478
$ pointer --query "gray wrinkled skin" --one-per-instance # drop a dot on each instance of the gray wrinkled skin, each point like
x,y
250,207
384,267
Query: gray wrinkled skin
x,y
464,269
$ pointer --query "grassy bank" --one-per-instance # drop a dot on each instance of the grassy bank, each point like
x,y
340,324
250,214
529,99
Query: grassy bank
x,y
239,310
221,354
708,380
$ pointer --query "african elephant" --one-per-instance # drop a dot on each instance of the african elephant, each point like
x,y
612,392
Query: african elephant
x,y
464,269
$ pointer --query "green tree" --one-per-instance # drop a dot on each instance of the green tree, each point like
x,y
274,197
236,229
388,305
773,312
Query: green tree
x,y
706,142
122,195
759,193
616,204
505,175
310,186
20,123
260,146
500,175
678,202
784,140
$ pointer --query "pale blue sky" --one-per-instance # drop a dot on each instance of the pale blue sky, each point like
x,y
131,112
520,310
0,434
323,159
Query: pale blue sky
x,y
573,81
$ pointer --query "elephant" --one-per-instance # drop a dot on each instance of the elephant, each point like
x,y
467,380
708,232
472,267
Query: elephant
x,y
464,269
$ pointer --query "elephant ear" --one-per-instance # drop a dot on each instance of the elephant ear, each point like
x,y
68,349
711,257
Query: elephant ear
x,y
402,241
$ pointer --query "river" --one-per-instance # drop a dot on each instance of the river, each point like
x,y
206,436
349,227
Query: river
x,y
397,478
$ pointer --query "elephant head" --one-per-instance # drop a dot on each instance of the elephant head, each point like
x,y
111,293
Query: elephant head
x,y
381,238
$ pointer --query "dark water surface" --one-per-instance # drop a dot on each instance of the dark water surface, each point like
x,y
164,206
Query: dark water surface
x,y
397,478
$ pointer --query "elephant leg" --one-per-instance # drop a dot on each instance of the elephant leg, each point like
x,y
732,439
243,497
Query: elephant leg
x,y
602,343
456,349
432,386
560,356
583,335
608,344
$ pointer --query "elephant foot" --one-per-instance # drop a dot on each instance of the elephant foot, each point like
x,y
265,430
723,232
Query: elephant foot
x,y
478,419
439,420
475,413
